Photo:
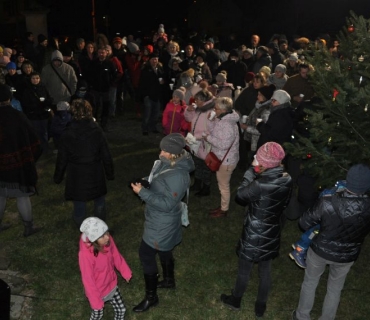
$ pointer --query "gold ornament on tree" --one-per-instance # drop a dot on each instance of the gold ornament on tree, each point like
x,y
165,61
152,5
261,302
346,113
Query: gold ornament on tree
x,y
361,58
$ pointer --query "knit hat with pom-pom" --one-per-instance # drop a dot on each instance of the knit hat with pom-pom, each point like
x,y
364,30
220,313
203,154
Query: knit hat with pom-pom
x,y
180,93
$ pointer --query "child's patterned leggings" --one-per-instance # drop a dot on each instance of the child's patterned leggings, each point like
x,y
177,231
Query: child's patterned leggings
x,y
118,307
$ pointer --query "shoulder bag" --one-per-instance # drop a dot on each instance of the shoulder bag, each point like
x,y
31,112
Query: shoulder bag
x,y
213,162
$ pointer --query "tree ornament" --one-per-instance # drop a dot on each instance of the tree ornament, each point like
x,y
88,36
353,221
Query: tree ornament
x,y
359,82
365,109
335,93
351,28
308,155
349,68
361,58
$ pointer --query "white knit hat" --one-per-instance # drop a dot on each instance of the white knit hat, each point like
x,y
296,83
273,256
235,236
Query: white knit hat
x,y
93,228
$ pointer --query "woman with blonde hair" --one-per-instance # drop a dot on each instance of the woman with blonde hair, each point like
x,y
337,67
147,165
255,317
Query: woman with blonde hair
x,y
224,140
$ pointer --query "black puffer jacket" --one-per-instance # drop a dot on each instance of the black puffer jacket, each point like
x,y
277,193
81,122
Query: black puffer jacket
x,y
344,220
83,152
266,195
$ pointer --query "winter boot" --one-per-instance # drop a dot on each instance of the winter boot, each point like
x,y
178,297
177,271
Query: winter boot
x,y
151,298
168,281
259,308
30,229
197,185
4,226
231,301
205,191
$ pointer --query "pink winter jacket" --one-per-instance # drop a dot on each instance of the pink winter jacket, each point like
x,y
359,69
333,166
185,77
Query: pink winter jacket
x,y
173,119
225,133
98,273
200,124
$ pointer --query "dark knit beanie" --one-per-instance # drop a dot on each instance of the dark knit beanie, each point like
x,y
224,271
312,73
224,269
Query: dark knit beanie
x,y
154,54
173,143
234,53
202,55
5,93
41,38
270,155
358,178
267,91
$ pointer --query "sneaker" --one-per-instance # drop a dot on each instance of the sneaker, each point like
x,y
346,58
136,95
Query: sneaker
x,y
299,258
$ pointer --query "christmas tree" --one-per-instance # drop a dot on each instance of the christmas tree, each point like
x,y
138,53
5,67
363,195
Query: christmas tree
x,y
338,125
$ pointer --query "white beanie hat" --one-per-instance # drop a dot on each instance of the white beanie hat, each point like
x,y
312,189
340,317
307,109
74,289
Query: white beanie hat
x,y
93,228
281,96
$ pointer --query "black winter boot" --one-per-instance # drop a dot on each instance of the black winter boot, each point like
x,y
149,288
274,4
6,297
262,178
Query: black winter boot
x,y
231,301
259,308
197,185
151,298
205,191
29,228
4,226
168,281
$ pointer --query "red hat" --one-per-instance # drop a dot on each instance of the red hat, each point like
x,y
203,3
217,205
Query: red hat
x,y
150,48
270,155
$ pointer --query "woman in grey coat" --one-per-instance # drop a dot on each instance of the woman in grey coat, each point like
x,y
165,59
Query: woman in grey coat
x,y
169,181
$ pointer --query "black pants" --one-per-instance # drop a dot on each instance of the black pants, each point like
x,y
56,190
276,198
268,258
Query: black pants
x,y
244,272
148,260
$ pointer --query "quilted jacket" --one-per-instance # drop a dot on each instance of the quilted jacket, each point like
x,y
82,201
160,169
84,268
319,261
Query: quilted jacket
x,y
266,195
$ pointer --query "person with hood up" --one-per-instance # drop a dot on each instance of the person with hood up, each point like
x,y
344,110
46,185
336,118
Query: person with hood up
x,y
60,79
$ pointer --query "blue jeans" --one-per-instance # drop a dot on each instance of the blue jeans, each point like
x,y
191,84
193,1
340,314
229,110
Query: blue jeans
x,y
112,100
79,209
41,127
337,276
150,115
306,238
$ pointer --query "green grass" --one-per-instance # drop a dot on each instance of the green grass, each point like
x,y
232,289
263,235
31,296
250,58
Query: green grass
x,y
206,263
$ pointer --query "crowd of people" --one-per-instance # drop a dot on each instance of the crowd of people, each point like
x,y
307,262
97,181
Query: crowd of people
x,y
238,101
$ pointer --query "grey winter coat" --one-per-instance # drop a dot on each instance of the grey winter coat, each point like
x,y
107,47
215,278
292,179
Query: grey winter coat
x,y
266,195
162,226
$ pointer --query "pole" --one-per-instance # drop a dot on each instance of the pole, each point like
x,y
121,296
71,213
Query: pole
x,y
93,19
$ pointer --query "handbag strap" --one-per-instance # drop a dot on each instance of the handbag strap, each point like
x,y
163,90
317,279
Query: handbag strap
x,y
195,123
173,118
61,79
228,150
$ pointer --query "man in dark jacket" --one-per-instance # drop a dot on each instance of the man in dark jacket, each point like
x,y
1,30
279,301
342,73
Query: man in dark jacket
x,y
19,150
236,69
101,76
150,88
344,219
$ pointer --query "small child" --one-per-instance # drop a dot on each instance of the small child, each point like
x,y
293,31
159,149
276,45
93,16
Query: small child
x,y
173,119
98,259
301,246
61,119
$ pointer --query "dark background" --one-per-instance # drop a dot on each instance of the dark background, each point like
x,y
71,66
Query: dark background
x,y
73,18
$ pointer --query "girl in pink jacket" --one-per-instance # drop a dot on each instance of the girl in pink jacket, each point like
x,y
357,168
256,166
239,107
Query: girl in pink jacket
x,y
173,119
98,259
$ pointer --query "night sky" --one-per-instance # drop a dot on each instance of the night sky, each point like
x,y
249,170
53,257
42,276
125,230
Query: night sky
x,y
304,17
